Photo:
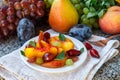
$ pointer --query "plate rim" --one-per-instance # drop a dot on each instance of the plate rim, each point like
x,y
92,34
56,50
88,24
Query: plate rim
x,y
54,70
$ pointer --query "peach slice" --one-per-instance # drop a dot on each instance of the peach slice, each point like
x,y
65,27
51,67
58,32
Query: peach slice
x,y
54,64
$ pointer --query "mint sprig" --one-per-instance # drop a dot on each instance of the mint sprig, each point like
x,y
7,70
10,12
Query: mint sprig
x,y
22,53
82,50
32,43
61,55
62,37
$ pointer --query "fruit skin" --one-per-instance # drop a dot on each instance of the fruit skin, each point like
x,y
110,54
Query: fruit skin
x,y
94,53
25,30
69,62
88,45
29,53
63,15
38,61
110,22
54,63
73,52
48,57
80,32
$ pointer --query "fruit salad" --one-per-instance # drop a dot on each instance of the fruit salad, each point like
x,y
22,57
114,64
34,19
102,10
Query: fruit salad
x,y
51,51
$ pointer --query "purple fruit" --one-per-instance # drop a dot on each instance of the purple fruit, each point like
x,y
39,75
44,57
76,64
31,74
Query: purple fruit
x,y
25,30
80,32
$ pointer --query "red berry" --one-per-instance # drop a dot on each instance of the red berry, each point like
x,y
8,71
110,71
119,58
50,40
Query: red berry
x,y
73,52
47,35
94,53
87,45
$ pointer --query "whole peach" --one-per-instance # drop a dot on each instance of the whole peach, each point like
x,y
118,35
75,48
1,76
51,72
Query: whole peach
x,y
110,22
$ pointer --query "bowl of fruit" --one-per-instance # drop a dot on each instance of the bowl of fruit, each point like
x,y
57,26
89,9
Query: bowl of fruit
x,y
53,53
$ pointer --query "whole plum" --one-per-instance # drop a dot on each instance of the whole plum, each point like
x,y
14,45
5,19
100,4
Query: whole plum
x,y
25,30
80,32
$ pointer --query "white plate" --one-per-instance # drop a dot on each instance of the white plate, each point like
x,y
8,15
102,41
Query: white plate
x,y
78,45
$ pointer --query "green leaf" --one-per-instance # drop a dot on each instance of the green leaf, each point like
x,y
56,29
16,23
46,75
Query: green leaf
x,y
62,37
103,2
61,55
112,2
101,13
22,53
82,50
91,14
88,3
94,2
32,43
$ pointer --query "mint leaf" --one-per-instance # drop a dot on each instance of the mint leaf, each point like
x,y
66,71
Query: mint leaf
x,y
87,3
32,43
82,50
22,53
94,2
112,2
91,14
101,13
61,55
62,37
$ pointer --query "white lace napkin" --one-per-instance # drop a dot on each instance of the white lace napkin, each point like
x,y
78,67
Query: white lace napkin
x,y
13,68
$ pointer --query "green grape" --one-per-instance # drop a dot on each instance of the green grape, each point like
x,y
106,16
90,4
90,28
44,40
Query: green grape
x,y
86,21
92,20
83,16
75,1
92,9
39,61
85,10
69,62
50,2
82,4
77,6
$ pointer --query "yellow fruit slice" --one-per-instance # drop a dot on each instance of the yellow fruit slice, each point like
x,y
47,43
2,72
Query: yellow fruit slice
x,y
29,52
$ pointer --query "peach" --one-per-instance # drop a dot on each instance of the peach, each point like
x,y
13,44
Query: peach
x,y
110,22
29,52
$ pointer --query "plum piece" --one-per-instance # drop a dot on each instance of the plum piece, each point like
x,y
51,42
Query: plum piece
x,y
25,30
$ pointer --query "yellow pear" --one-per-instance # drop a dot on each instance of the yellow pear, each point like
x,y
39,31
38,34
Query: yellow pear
x,y
63,15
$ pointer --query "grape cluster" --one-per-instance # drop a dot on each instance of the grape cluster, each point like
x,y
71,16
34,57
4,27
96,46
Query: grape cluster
x,y
12,11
